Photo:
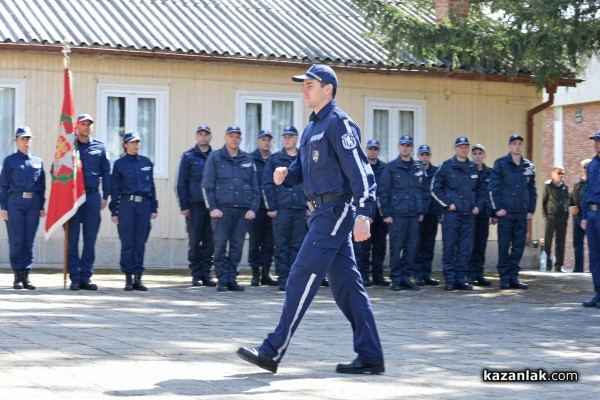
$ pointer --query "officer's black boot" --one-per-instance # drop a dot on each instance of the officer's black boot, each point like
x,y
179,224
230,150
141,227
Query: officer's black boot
x,y
128,283
25,280
137,283
266,278
18,279
255,276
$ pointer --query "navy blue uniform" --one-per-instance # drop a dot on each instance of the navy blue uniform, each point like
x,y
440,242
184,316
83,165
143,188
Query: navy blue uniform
x,y
198,224
405,197
456,183
22,189
578,232
591,214
333,169
512,188
428,229
96,167
482,228
230,185
290,223
133,200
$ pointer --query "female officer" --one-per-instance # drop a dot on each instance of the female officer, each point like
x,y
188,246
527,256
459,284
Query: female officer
x,y
22,187
133,204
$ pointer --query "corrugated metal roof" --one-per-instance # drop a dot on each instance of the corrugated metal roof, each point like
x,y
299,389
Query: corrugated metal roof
x,y
317,30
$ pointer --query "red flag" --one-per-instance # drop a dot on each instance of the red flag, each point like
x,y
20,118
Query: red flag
x,y
67,192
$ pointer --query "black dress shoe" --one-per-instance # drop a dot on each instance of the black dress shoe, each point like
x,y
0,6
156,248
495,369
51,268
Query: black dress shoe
x,y
325,283
88,285
361,367
420,282
481,281
74,285
406,284
381,282
367,282
256,356
396,287
196,282
515,284
234,287
208,282
449,286
593,302
462,286
222,288
431,281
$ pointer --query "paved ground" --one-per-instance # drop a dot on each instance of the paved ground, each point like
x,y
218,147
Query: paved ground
x,y
175,341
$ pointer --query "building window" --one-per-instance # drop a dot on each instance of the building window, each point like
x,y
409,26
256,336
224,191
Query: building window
x,y
388,119
12,114
271,111
139,108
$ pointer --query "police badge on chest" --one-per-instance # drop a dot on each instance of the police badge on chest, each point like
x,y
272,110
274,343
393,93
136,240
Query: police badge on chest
x,y
315,155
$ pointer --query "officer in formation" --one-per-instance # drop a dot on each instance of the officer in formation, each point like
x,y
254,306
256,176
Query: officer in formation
x,y
286,206
482,222
590,219
513,198
261,245
339,183
133,204
575,210
370,253
405,198
231,193
555,203
22,191
96,169
428,227
456,188
193,208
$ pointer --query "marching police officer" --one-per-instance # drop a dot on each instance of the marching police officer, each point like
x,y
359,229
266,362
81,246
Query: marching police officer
x,y
555,207
133,204
405,197
22,189
261,243
96,166
512,197
191,203
575,199
231,193
287,207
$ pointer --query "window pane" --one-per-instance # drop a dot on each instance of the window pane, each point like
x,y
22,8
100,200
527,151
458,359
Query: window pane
x,y
146,127
115,126
282,115
253,125
7,122
381,130
406,123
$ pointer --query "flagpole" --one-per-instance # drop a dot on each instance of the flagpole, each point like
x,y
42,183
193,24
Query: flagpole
x,y
66,50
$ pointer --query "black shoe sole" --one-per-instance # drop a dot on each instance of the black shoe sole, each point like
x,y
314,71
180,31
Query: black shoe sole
x,y
253,360
380,369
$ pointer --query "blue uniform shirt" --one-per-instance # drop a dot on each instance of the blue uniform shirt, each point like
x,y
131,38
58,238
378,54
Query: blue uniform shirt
x,y
189,178
457,183
94,159
512,186
281,196
404,187
331,160
133,175
591,191
22,172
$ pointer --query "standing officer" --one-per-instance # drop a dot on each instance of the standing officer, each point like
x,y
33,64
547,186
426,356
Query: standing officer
x,y
133,204
231,193
96,165
191,203
555,203
371,252
575,210
261,246
455,187
590,219
482,222
429,225
287,207
339,183
22,188
405,198
512,198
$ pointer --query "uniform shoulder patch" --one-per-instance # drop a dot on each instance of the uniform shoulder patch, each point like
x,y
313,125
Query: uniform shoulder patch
x,y
348,141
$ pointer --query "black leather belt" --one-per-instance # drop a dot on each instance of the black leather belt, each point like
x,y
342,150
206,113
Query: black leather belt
x,y
24,195
91,190
593,207
320,201
132,197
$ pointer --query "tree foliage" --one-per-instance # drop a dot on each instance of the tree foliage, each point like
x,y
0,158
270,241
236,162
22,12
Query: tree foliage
x,y
548,39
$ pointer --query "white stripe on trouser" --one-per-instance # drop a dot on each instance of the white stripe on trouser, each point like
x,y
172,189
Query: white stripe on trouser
x,y
340,219
298,310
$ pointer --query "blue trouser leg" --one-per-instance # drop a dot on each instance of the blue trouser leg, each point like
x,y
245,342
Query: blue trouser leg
x,y
464,245
450,238
593,236
290,229
236,245
427,232
229,230
480,237
73,246
518,246
505,235
261,245
134,228
22,224
90,227
403,247
578,240
200,241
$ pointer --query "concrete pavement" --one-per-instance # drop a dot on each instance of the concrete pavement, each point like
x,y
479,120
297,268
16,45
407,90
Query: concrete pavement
x,y
175,341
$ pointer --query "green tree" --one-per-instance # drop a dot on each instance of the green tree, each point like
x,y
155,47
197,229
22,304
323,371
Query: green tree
x,y
547,39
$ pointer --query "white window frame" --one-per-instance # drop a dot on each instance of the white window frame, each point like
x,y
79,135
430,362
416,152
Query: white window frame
x,y
266,99
419,109
160,157
20,87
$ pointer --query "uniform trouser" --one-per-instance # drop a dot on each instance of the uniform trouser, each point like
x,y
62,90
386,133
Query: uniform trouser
x,y
87,221
371,252
200,245
593,236
427,232
229,230
134,228
403,247
480,237
512,232
457,241
327,250
261,246
22,224
558,226
289,229
578,243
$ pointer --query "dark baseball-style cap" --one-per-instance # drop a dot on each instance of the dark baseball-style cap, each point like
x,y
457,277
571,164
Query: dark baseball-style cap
x,y
233,129
373,143
204,128
264,133
478,146
320,72
461,140
85,117
131,137
23,131
424,149
290,130
595,136
514,137
406,139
